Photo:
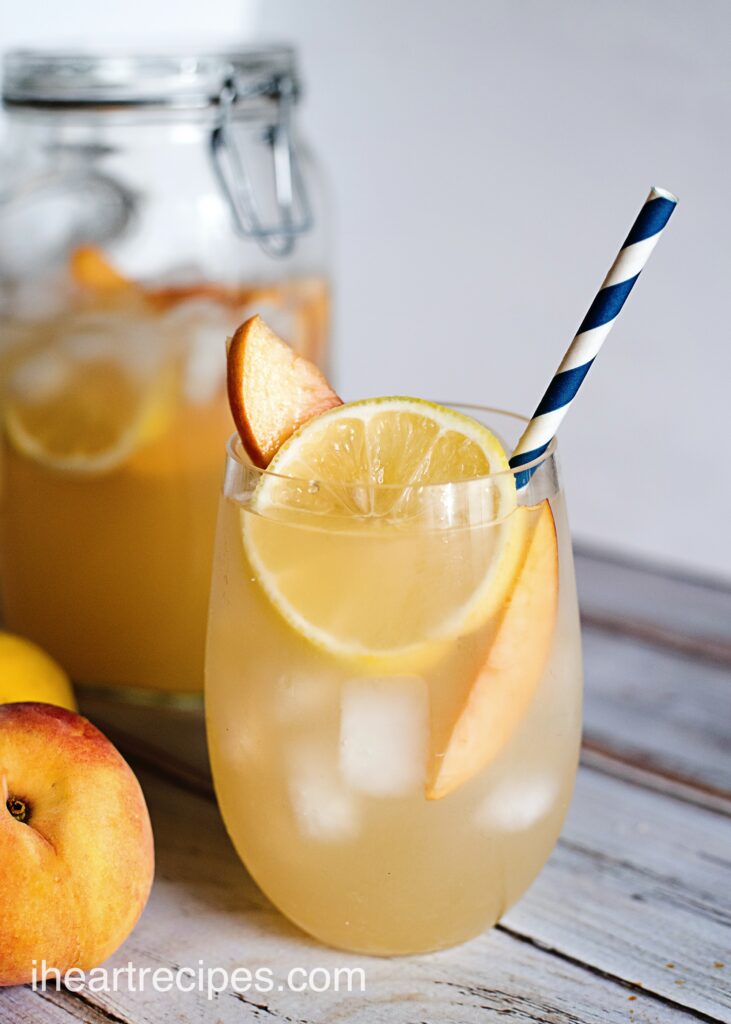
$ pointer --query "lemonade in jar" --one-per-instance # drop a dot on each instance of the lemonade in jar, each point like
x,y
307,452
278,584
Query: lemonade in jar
x,y
149,204
393,679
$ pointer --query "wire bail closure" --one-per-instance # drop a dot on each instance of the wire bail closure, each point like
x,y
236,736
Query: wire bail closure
x,y
292,202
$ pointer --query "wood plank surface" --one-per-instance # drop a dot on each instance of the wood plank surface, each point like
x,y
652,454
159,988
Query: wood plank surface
x,y
219,917
640,880
691,616
658,710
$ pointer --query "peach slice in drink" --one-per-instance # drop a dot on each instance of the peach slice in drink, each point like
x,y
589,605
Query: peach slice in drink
x,y
91,269
516,657
164,297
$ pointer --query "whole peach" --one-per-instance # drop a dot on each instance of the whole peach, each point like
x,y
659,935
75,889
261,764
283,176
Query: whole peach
x,y
76,849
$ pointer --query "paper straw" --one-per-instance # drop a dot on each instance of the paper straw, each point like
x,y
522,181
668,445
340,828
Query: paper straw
x,y
595,327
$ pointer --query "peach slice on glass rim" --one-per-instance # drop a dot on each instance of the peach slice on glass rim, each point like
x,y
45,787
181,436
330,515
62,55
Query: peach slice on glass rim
x,y
272,390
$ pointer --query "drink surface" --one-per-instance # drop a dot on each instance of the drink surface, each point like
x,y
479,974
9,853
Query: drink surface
x,y
114,420
324,756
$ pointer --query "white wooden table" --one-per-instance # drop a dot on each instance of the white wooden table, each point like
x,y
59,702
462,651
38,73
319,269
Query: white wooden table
x,y
629,921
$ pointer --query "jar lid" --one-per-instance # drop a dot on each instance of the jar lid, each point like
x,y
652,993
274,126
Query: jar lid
x,y
58,79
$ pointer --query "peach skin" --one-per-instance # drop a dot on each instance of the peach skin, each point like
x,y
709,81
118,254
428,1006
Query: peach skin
x,y
76,848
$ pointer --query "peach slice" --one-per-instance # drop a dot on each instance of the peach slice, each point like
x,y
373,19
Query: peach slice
x,y
91,269
167,297
272,390
506,683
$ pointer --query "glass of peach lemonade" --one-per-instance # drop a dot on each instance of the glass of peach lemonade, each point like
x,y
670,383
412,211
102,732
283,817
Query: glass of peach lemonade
x,y
393,683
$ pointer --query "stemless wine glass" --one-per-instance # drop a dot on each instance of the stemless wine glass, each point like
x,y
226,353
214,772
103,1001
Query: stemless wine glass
x,y
394,722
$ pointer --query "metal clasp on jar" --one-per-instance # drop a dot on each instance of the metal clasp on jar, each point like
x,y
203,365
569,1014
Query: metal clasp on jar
x,y
294,216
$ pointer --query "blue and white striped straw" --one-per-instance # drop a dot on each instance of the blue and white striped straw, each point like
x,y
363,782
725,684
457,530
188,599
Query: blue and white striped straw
x,y
595,327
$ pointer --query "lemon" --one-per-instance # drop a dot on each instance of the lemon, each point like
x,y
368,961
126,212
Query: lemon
x,y
27,673
84,417
380,556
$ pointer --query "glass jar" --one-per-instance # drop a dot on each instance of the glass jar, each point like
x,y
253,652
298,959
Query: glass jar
x,y
148,205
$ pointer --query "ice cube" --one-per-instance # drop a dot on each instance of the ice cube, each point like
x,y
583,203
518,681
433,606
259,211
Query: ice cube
x,y
38,298
324,808
41,377
204,325
516,804
128,338
383,734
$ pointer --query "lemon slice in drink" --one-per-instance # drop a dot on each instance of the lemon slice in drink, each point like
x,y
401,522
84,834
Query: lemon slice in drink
x,y
84,418
381,556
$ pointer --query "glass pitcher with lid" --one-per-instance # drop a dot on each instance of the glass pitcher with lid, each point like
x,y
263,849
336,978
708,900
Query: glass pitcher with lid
x,y
148,205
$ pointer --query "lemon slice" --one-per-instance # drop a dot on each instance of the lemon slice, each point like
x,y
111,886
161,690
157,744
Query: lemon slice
x,y
85,417
373,559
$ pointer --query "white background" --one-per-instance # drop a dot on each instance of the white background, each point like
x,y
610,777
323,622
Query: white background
x,y
487,158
